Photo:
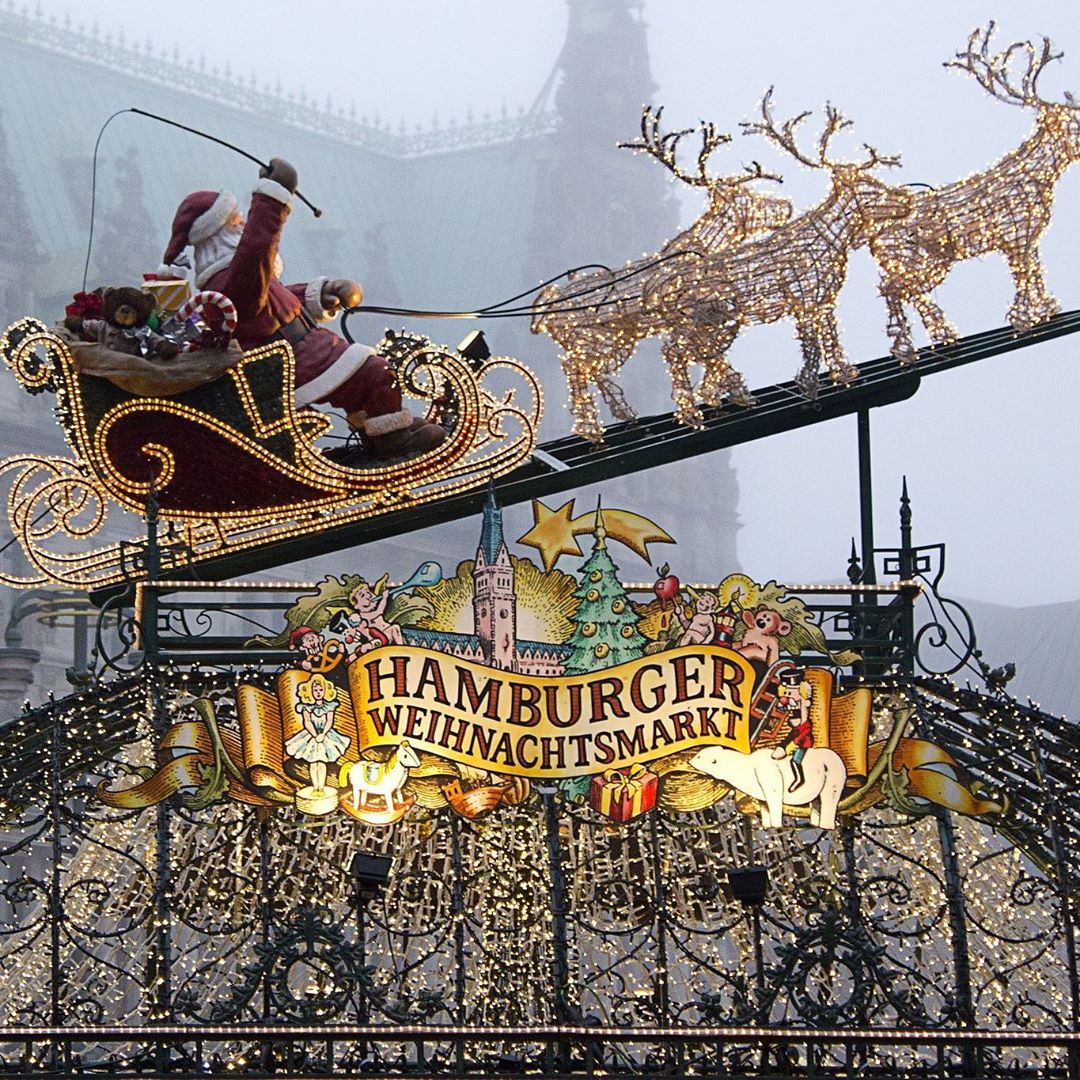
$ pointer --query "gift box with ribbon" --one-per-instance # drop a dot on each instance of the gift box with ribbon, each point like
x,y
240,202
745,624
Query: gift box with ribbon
x,y
169,293
622,794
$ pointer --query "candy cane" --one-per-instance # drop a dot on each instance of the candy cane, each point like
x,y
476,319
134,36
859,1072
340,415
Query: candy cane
x,y
199,302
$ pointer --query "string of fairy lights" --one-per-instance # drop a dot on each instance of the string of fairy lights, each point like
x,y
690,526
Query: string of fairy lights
x,y
639,917
748,260
111,914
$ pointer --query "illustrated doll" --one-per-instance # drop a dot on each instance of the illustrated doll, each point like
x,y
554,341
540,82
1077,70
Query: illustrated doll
x,y
318,742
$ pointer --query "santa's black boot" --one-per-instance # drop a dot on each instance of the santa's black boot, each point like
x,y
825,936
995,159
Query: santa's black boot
x,y
800,776
417,438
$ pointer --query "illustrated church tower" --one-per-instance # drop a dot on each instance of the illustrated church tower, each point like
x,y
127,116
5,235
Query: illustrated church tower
x,y
494,604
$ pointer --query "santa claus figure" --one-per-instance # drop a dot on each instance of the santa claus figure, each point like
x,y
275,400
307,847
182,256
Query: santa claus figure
x,y
240,259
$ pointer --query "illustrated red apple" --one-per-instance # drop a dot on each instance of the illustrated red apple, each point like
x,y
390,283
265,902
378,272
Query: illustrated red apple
x,y
666,588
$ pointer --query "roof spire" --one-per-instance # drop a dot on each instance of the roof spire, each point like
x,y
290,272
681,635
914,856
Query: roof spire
x,y
491,532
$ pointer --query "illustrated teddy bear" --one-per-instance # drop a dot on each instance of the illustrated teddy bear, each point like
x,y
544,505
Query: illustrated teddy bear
x,y
124,325
761,639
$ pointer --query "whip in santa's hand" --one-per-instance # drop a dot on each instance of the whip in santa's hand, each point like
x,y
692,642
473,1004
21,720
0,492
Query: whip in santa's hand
x,y
238,257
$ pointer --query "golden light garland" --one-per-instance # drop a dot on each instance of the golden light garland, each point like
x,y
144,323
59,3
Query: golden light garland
x,y
1005,208
56,498
600,317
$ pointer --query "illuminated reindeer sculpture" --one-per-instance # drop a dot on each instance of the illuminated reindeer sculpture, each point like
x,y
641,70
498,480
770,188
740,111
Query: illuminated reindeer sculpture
x,y
598,318
794,272
1005,208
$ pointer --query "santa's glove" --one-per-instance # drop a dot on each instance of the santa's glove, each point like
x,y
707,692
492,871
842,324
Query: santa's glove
x,y
341,292
281,172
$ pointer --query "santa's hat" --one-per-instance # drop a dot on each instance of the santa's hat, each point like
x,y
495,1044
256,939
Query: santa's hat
x,y
200,215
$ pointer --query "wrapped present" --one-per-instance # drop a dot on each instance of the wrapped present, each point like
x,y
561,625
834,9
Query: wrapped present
x,y
169,294
622,794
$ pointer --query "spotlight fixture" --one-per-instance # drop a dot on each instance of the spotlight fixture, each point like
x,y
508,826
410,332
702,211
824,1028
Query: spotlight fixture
x,y
370,872
474,348
749,884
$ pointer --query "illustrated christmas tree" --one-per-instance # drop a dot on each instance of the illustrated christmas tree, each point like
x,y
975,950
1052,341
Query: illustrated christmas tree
x,y
605,626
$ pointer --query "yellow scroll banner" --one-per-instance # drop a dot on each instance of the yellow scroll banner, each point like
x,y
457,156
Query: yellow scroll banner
x,y
607,723
522,725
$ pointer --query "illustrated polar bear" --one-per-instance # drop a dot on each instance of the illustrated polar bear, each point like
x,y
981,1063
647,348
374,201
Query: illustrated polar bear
x,y
769,780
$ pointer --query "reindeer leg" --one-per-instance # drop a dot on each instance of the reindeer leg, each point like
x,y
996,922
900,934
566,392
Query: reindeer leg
x,y
807,378
721,380
677,352
897,327
840,371
1032,303
615,397
612,392
582,401
938,327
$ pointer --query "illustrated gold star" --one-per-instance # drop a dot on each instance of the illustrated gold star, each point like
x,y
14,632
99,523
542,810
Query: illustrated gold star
x,y
554,532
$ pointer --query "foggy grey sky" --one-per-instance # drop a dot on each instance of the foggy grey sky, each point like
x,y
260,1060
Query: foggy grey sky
x,y
990,452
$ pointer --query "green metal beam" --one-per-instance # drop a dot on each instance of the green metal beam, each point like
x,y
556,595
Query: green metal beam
x,y
571,462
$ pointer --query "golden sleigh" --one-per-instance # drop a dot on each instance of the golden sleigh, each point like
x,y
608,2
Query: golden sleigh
x,y
232,463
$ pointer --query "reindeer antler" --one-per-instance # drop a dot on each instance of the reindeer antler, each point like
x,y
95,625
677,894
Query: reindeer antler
x,y
665,147
991,70
784,137
754,171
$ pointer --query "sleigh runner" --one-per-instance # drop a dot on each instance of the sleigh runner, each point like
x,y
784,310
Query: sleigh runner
x,y
232,463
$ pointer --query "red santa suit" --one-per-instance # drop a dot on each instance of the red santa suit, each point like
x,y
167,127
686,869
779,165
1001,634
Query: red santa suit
x,y
243,264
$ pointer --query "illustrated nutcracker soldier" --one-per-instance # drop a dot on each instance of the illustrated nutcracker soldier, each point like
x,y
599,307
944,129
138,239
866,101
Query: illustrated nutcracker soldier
x,y
793,701
240,258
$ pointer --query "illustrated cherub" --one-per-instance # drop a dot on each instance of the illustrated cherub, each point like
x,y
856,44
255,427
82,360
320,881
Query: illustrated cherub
x,y
700,629
368,627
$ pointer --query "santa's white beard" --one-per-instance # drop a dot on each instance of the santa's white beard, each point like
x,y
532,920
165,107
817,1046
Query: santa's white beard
x,y
216,252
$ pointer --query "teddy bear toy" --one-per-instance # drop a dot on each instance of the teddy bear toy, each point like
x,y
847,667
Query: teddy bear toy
x,y
124,325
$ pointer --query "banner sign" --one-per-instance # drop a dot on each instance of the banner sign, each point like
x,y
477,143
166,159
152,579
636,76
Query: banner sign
x,y
558,727
462,692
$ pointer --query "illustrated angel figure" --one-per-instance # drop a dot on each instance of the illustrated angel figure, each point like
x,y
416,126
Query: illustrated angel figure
x,y
368,627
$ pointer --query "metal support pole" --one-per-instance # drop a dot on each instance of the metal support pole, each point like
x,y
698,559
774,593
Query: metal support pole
x,y
906,567
853,908
266,913
457,910
55,905
847,837
866,499
954,898
361,957
662,990
561,968
79,645
754,912
759,959
148,633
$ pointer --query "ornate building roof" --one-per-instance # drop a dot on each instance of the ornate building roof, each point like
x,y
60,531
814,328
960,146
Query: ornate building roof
x,y
491,532
520,197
